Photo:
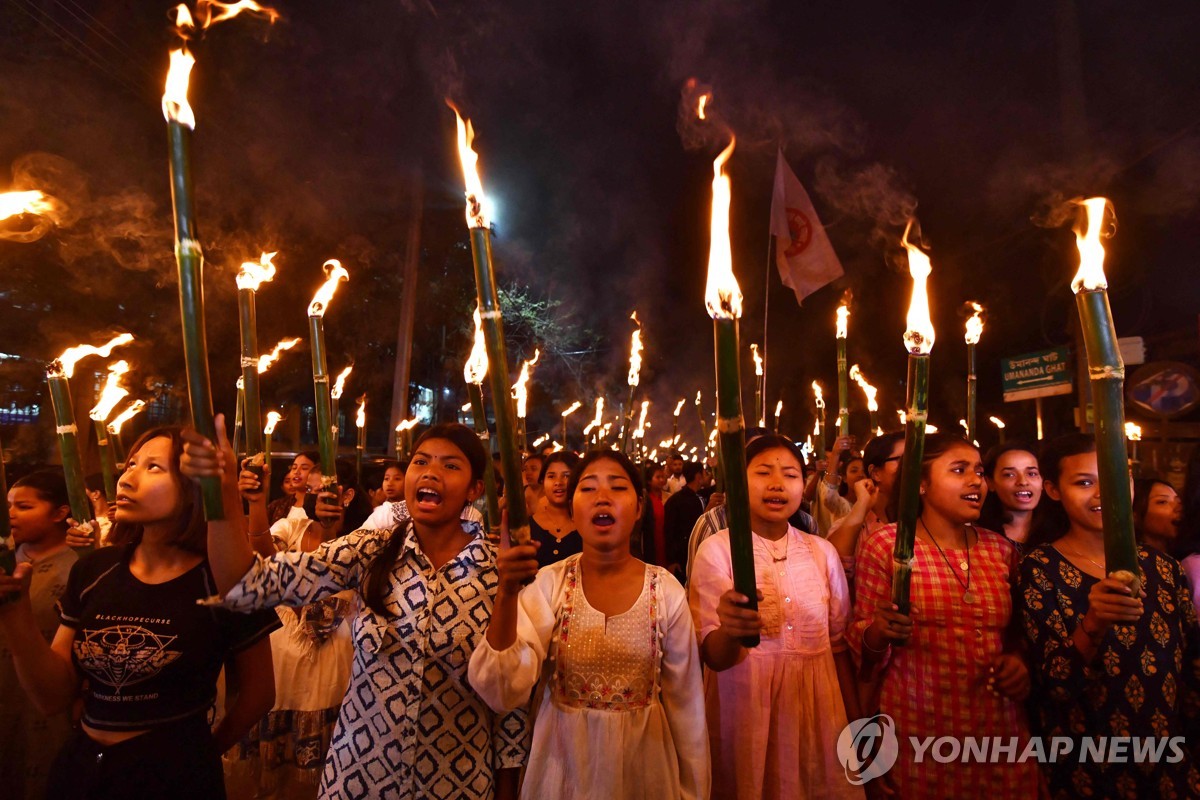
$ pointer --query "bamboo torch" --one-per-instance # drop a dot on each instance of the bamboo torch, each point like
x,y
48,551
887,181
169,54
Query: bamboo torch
x,y
723,299
760,408
675,422
115,425
520,393
110,395
493,328
335,273
778,414
571,409
58,375
239,410
634,377
474,371
251,276
843,321
999,423
700,416
870,392
1133,432
273,418
974,330
1107,373
918,341
360,447
819,428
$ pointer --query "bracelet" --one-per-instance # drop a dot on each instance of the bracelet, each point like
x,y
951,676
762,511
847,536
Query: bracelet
x,y
267,532
868,647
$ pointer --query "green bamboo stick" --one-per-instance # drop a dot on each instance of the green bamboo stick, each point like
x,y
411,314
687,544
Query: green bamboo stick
x,y
251,407
972,394
360,447
910,478
627,420
68,443
479,415
323,402
843,389
189,258
108,466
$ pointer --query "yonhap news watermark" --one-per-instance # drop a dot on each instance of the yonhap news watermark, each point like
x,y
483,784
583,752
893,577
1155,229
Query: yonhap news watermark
x,y
868,748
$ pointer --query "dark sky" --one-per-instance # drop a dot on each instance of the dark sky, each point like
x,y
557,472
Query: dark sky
x,y
981,117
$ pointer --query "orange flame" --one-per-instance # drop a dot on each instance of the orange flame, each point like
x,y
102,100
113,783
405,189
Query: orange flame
x,y
112,393
478,209
869,390
974,323
476,367
572,408
758,362
273,418
843,319
903,415
1088,233
65,363
134,408
361,419
818,394
635,354
778,409
254,273
999,423
1133,431
679,405
520,388
599,420
640,432
13,204
722,295
339,385
265,361
701,104
406,425
174,100
919,336
335,273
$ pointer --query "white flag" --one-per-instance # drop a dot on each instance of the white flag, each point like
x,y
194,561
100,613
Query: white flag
x,y
803,253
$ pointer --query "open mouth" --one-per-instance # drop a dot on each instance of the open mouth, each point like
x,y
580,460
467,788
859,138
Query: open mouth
x,y
603,519
428,498
1094,509
775,503
1023,496
972,497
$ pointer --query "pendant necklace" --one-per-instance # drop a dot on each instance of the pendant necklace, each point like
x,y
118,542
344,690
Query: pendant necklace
x,y
968,596
771,549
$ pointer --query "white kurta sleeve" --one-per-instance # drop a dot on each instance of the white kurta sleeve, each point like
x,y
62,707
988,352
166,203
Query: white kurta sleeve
x,y
683,693
505,678
711,577
839,595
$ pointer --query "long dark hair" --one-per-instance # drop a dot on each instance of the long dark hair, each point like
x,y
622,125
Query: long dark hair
x,y
190,529
994,515
1050,521
1141,501
936,445
378,581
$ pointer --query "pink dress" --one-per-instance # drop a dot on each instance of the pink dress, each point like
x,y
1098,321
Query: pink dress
x,y
774,718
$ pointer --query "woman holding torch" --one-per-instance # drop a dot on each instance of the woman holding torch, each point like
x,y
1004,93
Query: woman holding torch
x,y
959,674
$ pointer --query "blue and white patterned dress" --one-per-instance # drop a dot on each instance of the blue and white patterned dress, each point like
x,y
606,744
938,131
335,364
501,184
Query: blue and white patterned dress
x,y
410,725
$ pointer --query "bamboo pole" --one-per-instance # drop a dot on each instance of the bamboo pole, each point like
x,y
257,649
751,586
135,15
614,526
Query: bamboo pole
x,y
68,442
479,415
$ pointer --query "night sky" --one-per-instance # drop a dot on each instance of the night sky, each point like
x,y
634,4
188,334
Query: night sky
x,y
982,119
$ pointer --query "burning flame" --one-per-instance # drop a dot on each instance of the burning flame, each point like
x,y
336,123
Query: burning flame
x,y
174,100
72,355
361,420
1088,234
640,432
918,337
679,405
722,295
478,209
778,410
806,449
758,362
407,424
999,423
254,273
134,408
335,273
545,437
869,390
13,204
1133,431
273,418
974,323
635,353
903,415
520,389
339,385
572,409
697,399
475,370
700,105
843,319
819,394
599,419
112,393
931,428
962,423
265,361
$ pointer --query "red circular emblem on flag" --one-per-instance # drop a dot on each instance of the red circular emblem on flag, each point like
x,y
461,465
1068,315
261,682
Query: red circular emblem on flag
x,y
800,230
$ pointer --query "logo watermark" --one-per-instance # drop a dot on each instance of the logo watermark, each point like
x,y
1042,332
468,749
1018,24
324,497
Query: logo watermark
x,y
869,747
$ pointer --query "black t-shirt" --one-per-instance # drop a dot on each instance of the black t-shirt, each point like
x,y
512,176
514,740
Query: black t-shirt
x,y
149,654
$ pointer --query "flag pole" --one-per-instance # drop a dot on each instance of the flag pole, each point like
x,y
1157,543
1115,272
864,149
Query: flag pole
x,y
766,306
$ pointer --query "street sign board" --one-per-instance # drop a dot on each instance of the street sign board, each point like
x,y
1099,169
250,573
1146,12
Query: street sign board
x,y
1041,374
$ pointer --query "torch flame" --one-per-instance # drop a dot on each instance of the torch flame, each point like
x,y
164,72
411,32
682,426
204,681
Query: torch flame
x,y
13,204
572,408
758,362
1133,431
361,419
999,423
339,385
477,363
819,394
843,319
869,390
335,273
701,104
273,418
640,432
174,100
778,409
545,437
407,424
520,389
635,353
134,408
478,209
903,415
112,392
722,295
931,428
254,273
1088,234
697,399
919,336
71,356
679,406
265,361
974,323
599,420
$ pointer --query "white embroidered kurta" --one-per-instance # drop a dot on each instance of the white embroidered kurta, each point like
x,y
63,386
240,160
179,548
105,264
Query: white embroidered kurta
x,y
410,725
621,712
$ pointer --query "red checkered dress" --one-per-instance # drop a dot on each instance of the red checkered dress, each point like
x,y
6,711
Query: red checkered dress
x,y
937,685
